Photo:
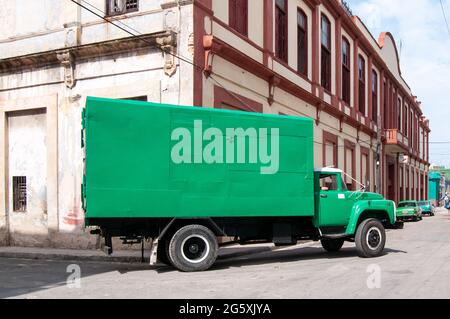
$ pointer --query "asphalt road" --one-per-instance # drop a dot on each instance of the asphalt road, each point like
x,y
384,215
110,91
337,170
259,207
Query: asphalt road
x,y
416,264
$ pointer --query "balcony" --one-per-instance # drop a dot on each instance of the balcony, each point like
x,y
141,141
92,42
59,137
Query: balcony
x,y
396,142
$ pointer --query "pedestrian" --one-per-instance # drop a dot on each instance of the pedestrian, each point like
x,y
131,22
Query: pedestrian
x,y
446,201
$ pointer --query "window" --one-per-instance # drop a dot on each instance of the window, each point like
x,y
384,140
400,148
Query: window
x,y
349,167
399,114
345,70
281,30
362,84
328,183
238,12
385,105
374,95
326,53
302,40
405,120
114,7
19,194
330,155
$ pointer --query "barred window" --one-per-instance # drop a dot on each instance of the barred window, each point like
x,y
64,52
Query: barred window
x,y
19,194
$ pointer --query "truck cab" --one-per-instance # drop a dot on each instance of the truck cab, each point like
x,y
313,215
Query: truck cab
x,y
340,212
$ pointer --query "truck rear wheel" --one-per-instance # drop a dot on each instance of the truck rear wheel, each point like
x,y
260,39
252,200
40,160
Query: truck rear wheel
x,y
193,248
332,245
370,238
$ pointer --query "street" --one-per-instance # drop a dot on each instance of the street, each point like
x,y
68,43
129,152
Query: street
x,y
416,264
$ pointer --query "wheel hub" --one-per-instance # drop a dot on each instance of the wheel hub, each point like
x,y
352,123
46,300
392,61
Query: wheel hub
x,y
374,238
195,248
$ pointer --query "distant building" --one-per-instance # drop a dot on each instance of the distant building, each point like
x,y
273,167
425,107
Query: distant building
x,y
436,187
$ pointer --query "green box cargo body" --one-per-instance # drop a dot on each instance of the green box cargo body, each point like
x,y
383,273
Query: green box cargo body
x,y
184,176
130,172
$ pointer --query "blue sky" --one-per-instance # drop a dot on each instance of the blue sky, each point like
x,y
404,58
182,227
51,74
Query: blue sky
x,y
420,30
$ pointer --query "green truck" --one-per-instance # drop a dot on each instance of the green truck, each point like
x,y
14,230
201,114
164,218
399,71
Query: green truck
x,y
186,176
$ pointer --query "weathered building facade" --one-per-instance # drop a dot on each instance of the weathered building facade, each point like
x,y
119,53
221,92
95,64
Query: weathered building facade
x,y
53,54
294,57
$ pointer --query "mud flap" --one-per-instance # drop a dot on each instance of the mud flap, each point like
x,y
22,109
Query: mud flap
x,y
154,252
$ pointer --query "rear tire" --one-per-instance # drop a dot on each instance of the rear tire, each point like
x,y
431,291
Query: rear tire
x,y
370,238
332,245
193,248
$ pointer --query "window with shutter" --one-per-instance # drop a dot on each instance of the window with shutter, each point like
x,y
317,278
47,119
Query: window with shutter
x,y
374,95
345,70
302,40
281,30
238,16
326,53
362,84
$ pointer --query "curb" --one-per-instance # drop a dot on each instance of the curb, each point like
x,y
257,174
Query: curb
x,y
115,259
62,257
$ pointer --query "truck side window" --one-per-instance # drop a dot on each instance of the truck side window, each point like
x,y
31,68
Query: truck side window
x,y
328,183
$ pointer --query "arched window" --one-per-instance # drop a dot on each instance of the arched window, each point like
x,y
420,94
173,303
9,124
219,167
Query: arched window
x,y
326,53
362,84
281,29
238,13
345,70
302,40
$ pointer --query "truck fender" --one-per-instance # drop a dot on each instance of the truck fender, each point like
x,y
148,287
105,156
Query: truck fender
x,y
365,207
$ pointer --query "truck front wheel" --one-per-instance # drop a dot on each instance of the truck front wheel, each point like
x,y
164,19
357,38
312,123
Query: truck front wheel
x,y
193,248
370,238
332,245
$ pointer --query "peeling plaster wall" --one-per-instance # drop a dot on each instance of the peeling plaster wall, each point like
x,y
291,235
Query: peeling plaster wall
x,y
137,72
27,157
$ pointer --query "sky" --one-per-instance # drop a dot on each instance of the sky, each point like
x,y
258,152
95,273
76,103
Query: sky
x,y
423,40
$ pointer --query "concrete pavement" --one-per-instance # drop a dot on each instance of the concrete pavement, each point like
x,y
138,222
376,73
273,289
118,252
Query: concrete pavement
x,y
416,265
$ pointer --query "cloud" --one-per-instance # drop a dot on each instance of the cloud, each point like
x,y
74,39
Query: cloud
x,y
419,29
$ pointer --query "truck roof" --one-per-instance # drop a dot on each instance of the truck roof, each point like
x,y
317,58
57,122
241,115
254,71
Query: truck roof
x,y
327,170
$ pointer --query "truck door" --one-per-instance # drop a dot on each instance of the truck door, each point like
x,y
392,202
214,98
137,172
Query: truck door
x,y
334,206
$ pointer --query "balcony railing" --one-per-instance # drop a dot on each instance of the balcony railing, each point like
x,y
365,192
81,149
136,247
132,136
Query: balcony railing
x,y
393,136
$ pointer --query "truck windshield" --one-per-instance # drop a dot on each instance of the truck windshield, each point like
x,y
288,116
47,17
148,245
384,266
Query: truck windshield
x,y
407,205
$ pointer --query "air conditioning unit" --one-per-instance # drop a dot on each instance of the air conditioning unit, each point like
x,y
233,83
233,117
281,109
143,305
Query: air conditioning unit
x,y
403,159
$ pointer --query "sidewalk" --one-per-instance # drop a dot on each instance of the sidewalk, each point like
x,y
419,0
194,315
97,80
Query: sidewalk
x,y
442,211
118,256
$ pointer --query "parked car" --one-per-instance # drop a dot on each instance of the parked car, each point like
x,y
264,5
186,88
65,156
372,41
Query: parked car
x,y
409,210
427,207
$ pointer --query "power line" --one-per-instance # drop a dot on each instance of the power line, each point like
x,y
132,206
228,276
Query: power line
x,y
445,17
139,35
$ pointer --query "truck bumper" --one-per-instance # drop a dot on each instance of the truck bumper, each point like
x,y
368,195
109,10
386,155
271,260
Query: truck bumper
x,y
398,225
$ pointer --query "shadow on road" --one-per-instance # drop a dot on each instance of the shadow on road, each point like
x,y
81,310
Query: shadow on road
x,y
22,276
283,256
